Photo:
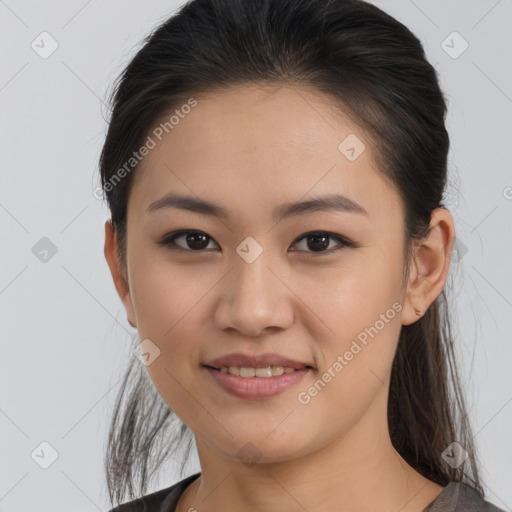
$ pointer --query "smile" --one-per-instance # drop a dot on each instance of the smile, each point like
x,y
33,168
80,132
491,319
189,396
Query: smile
x,y
266,371
255,383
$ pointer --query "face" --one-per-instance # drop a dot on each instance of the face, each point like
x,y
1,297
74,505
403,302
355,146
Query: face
x,y
251,282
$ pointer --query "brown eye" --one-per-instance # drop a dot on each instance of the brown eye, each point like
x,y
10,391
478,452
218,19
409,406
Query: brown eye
x,y
319,242
314,242
193,241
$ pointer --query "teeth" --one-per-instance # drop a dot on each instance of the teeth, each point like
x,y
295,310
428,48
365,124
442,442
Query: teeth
x,y
269,371
247,372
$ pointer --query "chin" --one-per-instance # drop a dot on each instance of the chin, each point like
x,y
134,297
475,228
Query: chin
x,y
262,448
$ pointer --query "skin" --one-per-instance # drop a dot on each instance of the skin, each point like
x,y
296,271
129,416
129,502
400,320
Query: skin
x,y
251,149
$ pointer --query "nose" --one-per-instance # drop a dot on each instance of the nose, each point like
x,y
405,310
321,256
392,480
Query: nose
x,y
254,299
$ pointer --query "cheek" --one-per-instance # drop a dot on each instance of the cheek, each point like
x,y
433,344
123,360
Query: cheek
x,y
164,295
165,317
356,358
162,308
169,303
352,297
359,311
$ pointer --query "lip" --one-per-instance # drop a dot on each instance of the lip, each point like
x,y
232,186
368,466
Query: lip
x,y
256,387
256,361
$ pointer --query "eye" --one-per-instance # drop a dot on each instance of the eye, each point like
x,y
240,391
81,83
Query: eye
x,y
195,241
318,242
198,241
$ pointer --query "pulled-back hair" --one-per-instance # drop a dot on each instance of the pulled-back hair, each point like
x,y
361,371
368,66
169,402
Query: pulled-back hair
x,y
376,71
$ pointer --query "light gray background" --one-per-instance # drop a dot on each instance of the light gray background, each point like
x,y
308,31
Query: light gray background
x,y
65,338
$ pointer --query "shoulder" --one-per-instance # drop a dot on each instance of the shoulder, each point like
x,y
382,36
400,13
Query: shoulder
x,y
460,497
470,500
162,500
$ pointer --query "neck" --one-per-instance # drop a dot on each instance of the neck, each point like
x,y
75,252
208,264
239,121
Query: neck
x,y
359,471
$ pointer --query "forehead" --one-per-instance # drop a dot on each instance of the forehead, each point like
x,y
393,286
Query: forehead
x,y
253,147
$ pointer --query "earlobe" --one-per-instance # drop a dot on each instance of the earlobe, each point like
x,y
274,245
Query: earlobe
x,y
429,270
411,311
120,280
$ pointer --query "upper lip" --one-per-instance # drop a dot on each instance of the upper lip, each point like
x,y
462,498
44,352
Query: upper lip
x,y
256,361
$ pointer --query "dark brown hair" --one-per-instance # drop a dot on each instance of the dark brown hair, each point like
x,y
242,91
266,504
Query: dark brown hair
x,y
375,71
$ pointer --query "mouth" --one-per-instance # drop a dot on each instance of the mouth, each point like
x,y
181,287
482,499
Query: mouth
x,y
262,371
256,365
256,383
256,375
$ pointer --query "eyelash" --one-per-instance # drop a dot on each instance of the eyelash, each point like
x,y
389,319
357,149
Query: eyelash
x,y
169,241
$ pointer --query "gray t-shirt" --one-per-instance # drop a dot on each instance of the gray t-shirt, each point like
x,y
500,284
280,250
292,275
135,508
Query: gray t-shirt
x,y
455,497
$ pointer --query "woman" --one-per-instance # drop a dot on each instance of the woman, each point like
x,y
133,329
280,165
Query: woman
x,y
275,172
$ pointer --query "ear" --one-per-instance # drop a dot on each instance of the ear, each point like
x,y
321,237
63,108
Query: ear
x,y
429,266
118,275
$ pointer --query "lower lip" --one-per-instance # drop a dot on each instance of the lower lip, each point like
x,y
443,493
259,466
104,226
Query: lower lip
x,y
256,387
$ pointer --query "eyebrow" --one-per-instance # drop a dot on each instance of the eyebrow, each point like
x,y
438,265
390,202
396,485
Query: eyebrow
x,y
334,202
